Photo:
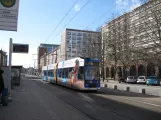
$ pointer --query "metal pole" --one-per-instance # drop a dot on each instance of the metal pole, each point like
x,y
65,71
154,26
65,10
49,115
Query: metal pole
x,y
10,64
34,67
103,61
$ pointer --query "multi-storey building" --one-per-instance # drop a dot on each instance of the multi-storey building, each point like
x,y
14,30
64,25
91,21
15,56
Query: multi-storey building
x,y
136,30
3,58
51,57
80,43
44,48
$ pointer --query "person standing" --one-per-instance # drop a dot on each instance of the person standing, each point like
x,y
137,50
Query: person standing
x,y
1,81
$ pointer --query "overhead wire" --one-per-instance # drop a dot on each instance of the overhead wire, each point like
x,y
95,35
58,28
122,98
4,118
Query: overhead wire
x,y
72,18
61,20
93,21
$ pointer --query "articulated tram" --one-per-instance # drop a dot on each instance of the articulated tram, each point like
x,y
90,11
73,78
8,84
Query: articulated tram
x,y
76,73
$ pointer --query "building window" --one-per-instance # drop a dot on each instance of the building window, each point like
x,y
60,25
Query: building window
x,y
73,34
68,37
79,38
73,38
85,35
79,34
68,33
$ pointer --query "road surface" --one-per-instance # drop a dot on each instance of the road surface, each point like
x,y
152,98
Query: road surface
x,y
52,102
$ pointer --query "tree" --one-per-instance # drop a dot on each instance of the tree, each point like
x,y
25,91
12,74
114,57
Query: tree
x,y
92,45
151,40
112,45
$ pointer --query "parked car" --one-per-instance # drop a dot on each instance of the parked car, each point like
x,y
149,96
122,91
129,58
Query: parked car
x,y
141,79
122,79
152,80
131,79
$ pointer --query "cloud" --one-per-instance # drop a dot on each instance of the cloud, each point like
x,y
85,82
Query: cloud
x,y
77,7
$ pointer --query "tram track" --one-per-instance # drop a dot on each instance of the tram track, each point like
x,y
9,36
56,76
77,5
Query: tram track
x,y
49,88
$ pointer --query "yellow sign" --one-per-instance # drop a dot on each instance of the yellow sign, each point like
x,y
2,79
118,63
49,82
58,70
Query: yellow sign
x,y
8,3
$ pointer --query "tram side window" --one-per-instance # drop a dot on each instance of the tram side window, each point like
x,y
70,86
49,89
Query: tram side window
x,y
63,73
69,72
60,73
81,73
44,73
66,73
49,73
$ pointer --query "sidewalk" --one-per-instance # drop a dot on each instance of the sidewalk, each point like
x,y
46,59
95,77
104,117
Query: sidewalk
x,y
31,102
137,88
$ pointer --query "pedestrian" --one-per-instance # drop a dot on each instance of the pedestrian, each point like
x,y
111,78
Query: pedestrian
x,y
1,82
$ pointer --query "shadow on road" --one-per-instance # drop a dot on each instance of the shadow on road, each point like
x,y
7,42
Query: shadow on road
x,y
107,91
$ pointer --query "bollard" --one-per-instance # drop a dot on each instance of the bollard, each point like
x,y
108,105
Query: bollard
x,y
159,94
142,90
105,85
115,87
127,88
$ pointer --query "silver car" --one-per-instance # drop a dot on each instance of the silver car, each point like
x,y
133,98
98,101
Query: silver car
x,y
131,79
141,79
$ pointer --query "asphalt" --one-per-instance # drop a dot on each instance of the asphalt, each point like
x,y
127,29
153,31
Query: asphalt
x,y
107,103
40,100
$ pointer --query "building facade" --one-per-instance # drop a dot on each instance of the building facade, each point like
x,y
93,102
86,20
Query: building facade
x,y
42,49
79,43
3,58
135,30
51,57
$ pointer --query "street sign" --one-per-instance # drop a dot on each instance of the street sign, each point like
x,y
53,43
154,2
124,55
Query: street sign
x,y
20,48
9,14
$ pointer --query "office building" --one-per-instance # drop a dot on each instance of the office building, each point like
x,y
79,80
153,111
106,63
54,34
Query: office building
x,y
134,30
80,43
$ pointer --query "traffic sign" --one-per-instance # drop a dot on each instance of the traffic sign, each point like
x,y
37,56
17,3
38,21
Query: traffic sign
x,y
9,14
20,48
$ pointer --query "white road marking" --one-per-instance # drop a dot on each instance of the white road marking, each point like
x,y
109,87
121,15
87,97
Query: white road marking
x,y
152,104
147,103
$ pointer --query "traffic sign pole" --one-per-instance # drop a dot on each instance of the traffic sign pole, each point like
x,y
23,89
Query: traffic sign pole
x,y
10,64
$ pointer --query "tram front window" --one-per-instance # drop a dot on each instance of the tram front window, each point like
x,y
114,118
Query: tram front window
x,y
91,73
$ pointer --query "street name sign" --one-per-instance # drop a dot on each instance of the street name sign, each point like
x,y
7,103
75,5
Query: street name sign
x,y
9,14
20,48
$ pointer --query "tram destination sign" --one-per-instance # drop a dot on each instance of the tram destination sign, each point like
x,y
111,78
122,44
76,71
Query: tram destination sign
x,y
9,14
20,48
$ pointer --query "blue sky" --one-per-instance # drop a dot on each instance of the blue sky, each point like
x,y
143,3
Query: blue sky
x,y
38,19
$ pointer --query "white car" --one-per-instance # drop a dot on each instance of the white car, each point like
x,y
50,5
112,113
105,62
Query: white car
x,y
141,79
131,79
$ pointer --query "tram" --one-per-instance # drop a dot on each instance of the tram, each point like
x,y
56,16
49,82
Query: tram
x,y
77,73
